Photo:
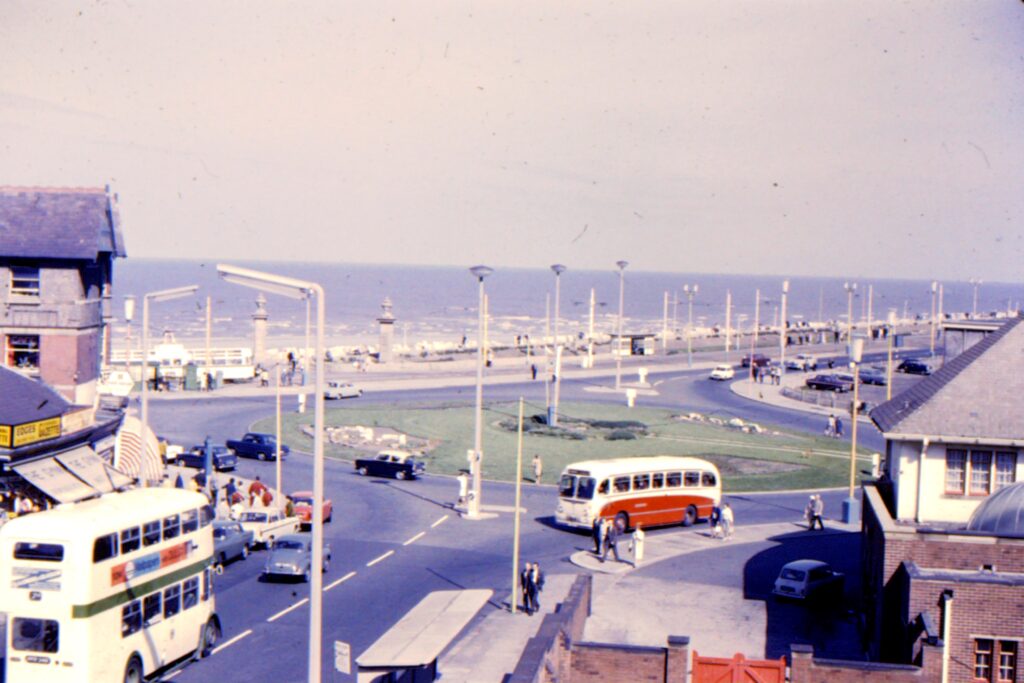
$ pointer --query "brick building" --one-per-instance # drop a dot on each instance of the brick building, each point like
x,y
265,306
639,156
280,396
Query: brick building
x,y
57,251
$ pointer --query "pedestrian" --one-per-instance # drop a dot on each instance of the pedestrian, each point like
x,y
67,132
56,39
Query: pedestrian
x,y
463,488
538,468
533,371
223,509
289,506
818,510
237,509
537,584
839,428
230,489
715,520
831,429
637,546
727,522
809,512
264,378
611,541
525,577
257,487
179,483
598,529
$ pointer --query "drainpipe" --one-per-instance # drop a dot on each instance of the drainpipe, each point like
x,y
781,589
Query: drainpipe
x,y
947,617
920,478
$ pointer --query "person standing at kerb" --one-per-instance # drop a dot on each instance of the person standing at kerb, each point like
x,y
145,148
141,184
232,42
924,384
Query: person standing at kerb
x,y
538,468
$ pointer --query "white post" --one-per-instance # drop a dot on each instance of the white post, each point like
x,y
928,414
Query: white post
x,y
316,584
757,318
728,322
782,330
277,412
305,350
209,332
473,508
558,269
513,599
622,294
590,332
871,301
664,325
935,288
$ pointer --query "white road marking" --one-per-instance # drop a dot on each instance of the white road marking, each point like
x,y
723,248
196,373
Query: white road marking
x,y
381,558
339,581
234,640
171,675
438,521
416,538
286,610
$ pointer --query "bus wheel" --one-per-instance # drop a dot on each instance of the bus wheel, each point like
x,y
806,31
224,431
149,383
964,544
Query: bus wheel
x,y
690,516
622,520
133,672
210,638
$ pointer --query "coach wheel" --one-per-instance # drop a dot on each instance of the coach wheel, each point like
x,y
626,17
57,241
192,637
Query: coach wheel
x,y
133,672
690,516
622,521
210,638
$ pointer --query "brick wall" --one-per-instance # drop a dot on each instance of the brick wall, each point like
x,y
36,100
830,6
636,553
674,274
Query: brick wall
x,y
605,662
804,668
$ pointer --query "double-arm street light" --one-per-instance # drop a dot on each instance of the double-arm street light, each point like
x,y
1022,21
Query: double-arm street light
x,y
690,291
618,341
300,289
782,331
974,305
558,269
851,514
156,297
476,463
931,334
851,288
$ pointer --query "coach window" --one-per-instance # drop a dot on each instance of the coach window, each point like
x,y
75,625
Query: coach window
x,y
151,609
657,480
189,521
206,515
104,548
35,635
172,600
207,583
131,618
603,488
151,532
172,527
692,479
708,479
190,596
674,479
621,484
130,539
641,482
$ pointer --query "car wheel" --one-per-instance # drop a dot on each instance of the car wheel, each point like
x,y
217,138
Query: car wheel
x,y
363,471
306,575
209,639
181,463
245,551
400,474
330,516
261,456
133,670
690,516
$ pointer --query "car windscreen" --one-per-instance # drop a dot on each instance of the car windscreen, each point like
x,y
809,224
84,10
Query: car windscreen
x,y
567,486
254,516
220,533
302,501
288,545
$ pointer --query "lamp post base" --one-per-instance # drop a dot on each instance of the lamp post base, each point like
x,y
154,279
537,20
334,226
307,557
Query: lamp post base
x,y
851,511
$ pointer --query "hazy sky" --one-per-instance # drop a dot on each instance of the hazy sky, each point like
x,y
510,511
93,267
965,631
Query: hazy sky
x,y
803,138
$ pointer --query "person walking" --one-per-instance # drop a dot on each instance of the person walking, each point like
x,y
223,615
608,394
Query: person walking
x,y
536,585
809,512
525,577
538,468
638,545
715,520
830,430
533,371
463,488
598,531
727,522
818,510
611,541
839,428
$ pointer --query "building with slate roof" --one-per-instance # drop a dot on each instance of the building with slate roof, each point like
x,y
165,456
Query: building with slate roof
x,y
57,251
943,528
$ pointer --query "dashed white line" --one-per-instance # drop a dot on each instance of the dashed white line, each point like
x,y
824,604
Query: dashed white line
x,y
339,581
234,640
438,521
416,538
286,610
381,558
171,675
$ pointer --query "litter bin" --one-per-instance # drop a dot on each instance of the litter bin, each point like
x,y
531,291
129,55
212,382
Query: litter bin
x,y
191,377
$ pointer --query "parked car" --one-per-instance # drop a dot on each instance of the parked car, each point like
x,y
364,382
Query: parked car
x,y
336,389
802,361
829,383
808,579
303,502
722,372
758,359
230,541
221,459
292,556
257,445
913,366
266,525
397,464
874,375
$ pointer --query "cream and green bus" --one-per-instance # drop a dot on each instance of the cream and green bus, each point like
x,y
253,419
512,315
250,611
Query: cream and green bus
x,y
112,589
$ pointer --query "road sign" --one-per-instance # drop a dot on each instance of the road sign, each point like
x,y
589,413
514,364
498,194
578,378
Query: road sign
x,y
342,657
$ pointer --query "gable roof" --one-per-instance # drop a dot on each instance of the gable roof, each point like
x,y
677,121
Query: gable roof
x,y
973,396
59,223
25,400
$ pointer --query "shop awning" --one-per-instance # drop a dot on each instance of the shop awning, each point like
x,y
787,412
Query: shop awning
x,y
52,478
91,468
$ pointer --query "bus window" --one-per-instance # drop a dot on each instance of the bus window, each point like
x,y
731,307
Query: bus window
x,y
131,618
35,635
621,484
151,532
189,521
151,609
190,594
567,486
657,480
46,552
172,600
708,478
692,479
674,479
603,488
104,548
172,527
206,515
585,489
207,583
641,482
130,539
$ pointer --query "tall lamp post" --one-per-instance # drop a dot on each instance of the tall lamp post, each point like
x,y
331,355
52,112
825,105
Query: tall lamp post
x,y
618,341
162,295
782,331
129,315
851,513
890,333
690,293
931,335
974,305
300,289
558,269
475,465
851,288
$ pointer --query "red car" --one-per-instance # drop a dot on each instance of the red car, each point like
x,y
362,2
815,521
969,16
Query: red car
x,y
303,501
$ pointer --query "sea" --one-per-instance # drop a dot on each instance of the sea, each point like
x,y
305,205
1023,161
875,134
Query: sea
x,y
437,305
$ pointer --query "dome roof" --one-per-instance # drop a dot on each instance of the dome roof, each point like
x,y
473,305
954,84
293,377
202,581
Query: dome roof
x,y
1002,513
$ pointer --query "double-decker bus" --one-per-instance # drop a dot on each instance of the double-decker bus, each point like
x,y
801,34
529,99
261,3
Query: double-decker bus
x,y
110,589
650,490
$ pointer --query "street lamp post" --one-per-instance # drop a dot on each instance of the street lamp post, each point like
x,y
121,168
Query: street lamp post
x,y
851,288
558,269
782,331
974,305
129,315
690,293
473,507
618,341
851,514
931,342
890,333
301,289
162,295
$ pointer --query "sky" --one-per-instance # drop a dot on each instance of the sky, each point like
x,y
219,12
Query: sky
x,y
850,138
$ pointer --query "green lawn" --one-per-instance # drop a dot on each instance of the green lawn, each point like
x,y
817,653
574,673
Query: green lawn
x,y
749,462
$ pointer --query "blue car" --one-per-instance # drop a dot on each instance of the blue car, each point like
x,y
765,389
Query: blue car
x,y
223,460
873,375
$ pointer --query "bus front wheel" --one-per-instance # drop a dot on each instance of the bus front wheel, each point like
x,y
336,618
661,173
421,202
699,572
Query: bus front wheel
x,y
209,638
690,516
133,671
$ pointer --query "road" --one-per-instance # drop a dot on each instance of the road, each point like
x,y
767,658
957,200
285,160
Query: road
x,y
395,541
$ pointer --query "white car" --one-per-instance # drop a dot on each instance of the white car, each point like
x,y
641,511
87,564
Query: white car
x,y
802,361
723,372
337,389
806,579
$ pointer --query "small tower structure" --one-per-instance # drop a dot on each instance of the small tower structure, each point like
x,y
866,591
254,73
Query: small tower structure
x,y
387,332
259,330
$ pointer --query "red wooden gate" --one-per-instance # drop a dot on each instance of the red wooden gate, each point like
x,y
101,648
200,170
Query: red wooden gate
x,y
738,669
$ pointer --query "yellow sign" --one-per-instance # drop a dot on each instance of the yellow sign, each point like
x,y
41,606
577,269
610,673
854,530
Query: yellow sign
x,y
77,420
5,436
31,432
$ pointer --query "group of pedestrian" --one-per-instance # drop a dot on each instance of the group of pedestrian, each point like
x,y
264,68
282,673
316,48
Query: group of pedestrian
x,y
531,583
774,374
834,428
607,535
722,522
814,512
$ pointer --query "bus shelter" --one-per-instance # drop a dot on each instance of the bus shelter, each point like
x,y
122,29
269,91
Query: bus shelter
x,y
408,652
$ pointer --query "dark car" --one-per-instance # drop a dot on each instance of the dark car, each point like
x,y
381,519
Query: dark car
x,y
257,445
829,383
397,464
758,359
913,366
872,375
222,459
230,541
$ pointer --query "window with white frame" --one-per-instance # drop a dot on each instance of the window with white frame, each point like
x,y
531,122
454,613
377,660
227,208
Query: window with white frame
x,y
956,470
24,281
995,660
1006,469
979,472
